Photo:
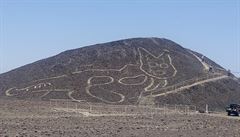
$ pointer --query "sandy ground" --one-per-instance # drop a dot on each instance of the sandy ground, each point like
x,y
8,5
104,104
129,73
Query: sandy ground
x,y
30,119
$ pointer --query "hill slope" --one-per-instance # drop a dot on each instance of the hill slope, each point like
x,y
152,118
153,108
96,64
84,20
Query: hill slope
x,y
130,71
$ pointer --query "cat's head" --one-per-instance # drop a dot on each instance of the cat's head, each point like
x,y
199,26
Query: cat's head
x,y
160,67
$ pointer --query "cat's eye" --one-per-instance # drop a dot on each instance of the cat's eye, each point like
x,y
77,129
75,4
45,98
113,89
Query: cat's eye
x,y
164,65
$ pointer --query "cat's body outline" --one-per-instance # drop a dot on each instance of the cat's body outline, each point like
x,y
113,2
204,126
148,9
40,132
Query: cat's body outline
x,y
155,81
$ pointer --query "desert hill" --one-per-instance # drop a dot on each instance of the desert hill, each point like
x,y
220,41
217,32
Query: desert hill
x,y
131,71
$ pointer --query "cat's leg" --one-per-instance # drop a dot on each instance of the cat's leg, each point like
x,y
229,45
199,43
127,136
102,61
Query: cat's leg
x,y
152,85
155,84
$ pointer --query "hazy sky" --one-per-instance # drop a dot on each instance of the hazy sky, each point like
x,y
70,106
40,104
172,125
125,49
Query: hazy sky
x,y
33,30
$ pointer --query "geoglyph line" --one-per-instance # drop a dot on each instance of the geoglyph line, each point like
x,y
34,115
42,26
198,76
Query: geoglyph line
x,y
156,57
51,78
7,92
77,72
106,101
92,85
152,87
148,88
140,83
111,80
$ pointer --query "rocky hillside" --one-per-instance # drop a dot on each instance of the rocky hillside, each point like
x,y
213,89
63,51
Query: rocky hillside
x,y
130,71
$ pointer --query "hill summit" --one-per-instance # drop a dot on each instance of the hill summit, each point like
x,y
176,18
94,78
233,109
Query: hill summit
x,y
146,71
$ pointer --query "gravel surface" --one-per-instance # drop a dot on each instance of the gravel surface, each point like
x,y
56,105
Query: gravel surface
x,y
30,119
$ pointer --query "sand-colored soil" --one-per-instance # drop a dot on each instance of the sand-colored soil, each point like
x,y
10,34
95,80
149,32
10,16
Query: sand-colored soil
x,y
29,119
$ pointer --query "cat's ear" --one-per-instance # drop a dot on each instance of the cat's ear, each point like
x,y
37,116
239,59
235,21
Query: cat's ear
x,y
165,57
145,55
165,52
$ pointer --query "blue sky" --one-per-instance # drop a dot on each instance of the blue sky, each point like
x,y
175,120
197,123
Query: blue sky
x,y
33,30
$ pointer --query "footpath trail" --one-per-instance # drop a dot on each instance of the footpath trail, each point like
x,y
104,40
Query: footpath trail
x,y
191,85
204,64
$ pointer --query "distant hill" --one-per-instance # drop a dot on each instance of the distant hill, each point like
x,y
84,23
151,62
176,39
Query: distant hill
x,y
130,71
